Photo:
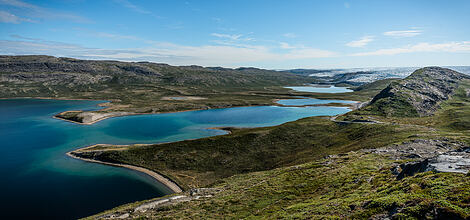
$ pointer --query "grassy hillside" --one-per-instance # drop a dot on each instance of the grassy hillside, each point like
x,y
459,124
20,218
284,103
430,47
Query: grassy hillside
x,y
350,186
196,163
315,168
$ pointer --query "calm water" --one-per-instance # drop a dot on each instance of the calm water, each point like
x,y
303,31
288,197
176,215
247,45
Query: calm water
x,y
331,89
39,181
310,101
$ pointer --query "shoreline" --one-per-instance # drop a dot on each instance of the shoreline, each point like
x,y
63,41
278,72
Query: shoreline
x,y
125,114
51,98
350,106
174,187
97,120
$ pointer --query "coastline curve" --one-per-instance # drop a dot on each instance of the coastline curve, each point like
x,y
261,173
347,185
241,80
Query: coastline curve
x,y
175,188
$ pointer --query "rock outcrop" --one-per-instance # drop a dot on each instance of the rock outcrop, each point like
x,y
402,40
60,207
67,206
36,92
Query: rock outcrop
x,y
441,155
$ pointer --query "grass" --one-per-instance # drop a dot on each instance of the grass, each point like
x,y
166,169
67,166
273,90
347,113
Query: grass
x,y
455,113
355,185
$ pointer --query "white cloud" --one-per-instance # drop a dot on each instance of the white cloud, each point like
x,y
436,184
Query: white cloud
x,y
24,38
284,45
307,53
407,33
227,36
232,39
206,55
33,11
290,35
303,52
453,47
18,4
6,17
114,36
361,42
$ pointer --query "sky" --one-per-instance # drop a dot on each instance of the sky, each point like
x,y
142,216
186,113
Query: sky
x,y
272,34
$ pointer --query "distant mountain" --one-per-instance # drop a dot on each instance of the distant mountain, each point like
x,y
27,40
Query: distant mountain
x,y
359,76
418,94
53,70
49,76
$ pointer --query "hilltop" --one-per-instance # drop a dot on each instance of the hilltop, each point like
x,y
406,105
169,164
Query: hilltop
x,y
419,94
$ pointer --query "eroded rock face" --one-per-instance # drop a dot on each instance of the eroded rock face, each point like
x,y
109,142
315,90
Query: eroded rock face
x,y
458,162
419,94
441,155
411,168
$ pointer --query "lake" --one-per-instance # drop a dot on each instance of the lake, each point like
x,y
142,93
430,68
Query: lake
x,y
311,101
40,181
320,89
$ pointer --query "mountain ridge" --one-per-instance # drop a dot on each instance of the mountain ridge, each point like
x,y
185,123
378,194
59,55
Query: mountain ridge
x,y
106,70
418,94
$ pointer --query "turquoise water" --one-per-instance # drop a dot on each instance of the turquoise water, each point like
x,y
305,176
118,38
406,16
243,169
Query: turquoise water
x,y
331,89
40,181
310,101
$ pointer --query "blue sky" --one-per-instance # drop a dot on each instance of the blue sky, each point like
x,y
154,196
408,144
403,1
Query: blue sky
x,y
261,33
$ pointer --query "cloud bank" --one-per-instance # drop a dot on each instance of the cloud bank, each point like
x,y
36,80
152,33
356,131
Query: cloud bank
x,y
453,47
205,55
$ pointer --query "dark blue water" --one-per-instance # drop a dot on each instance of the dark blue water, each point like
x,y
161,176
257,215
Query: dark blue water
x,y
39,181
